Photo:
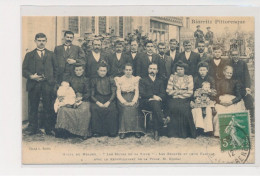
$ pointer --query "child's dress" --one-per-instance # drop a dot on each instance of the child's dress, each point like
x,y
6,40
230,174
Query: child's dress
x,y
202,112
68,95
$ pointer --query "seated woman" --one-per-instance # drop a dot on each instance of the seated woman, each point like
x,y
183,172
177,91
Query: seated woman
x,y
76,119
180,88
104,119
203,104
127,95
228,97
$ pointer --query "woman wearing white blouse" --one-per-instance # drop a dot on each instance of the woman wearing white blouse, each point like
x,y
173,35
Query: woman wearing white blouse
x,y
127,95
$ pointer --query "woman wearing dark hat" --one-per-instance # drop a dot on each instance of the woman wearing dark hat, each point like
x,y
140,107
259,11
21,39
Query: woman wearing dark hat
x,y
180,90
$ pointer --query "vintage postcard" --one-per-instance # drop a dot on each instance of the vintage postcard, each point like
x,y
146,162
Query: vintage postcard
x,y
138,89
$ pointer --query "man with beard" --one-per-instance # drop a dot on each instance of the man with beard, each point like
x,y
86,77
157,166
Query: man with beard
x,y
40,70
118,60
241,73
147,58
134,55
204,56
173,53
190,58
94,58
67,55
152,92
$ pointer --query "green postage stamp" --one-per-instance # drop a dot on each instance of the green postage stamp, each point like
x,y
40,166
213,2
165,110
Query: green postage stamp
x,y
234,131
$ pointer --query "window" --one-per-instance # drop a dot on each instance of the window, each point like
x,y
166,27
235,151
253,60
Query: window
x,y
102,24
93,24
121,26
74,24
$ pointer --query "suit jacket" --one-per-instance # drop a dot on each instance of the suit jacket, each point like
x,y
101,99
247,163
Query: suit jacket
x,y
142,65
168,66
176,55
192,62
117,66
134,61
205,57
148,88
50,66
92,64
216,72
65,69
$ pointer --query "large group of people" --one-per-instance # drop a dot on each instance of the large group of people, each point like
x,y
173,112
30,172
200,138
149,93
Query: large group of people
x,y
99,94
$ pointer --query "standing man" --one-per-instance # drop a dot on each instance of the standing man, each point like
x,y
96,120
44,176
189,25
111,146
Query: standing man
x,y
167,61
189,57
241,74
199,35
147,58
118,60
152,92
94,58
209,36
217,65
40,70
67,55
173,53
134,55
204,56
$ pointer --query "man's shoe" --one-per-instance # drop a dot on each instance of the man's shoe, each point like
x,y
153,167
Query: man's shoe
x,y
137,135
156,136
122,136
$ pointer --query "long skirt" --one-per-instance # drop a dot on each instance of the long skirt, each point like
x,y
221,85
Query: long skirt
x,y
129,120
206,122
104,121
181,124
238,107
76,121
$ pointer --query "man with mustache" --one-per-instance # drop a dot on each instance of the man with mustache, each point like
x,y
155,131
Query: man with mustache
x,y
134,55
40,70
95,57
190,58
118,60
204,56
147,58
67,55
173,53
152,92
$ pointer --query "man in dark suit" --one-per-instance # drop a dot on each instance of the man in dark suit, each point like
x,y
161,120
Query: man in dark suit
x,y
134,55
95,57
152,92
199,35
40,70
241,74
204,56
217,64
209,36
173,53
118,60
147,58
67,55
189,57
167,61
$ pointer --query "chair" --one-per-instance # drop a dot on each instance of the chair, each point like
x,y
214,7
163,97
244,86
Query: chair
x,y
146,113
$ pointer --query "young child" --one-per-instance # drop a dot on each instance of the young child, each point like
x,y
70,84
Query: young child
x,y
65,96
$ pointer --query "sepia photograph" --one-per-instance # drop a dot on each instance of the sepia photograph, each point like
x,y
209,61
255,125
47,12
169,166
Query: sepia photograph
x,y
138,89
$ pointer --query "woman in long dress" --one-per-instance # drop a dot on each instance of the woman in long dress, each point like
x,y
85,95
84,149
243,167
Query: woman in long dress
x,y
180,88
76,120
229,98
104,113
127,95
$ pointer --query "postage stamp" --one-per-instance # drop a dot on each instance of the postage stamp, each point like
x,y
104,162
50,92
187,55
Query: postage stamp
x,y
234,131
